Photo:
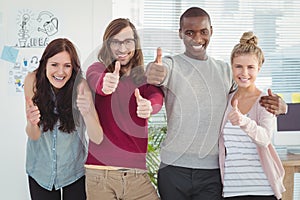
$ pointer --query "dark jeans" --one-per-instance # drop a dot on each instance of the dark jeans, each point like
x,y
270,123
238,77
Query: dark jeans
x,y
251,198
179,183
74,191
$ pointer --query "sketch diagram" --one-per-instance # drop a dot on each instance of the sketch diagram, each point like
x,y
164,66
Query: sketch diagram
x,y
50,26
24,31
18,70
35,29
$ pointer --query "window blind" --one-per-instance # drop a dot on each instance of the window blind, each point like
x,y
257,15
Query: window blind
x,y
276,23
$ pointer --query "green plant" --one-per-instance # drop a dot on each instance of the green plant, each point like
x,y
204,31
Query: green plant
x,y
156,136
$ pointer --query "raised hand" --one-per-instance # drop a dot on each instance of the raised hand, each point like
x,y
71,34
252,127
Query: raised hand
x,y
235,116
84,99
144,108
32,112
156,72
273,103
111,80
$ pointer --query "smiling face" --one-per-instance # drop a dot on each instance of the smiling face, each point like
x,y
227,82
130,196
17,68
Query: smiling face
x,y
245,69
196,33
59,69
122,45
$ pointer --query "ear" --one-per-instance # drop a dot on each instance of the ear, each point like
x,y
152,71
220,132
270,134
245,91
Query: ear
x,y
211,30
180,33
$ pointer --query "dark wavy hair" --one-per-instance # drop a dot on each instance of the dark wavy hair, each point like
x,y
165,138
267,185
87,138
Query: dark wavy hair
x,y
106,56
43,94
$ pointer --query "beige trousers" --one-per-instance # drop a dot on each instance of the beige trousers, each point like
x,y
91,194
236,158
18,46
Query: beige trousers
x,y
121,184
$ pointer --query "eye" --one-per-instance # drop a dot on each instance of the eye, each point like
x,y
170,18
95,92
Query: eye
x,y
189,33
114,42
126,42
238,66
54,64
68,65
205,32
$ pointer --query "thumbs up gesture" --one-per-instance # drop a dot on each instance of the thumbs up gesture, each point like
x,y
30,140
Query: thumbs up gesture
x,y
84,98
111,80
235,116
32,112
144,108
156,72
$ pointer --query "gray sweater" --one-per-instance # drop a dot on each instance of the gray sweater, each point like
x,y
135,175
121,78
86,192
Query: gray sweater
x,y
196,93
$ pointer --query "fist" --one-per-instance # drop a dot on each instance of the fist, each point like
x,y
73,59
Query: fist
x,y
156,72
111,80
144,108
32,112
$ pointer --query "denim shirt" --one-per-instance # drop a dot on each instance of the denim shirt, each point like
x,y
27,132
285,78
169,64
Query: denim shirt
x,y
57,158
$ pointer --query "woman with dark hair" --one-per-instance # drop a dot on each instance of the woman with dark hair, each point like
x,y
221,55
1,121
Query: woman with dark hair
x,y
116,169
59,109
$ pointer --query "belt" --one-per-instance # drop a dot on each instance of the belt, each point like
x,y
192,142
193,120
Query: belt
x,y
112,168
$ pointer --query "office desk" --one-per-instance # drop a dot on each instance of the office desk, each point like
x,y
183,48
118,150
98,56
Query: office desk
x,y
291,164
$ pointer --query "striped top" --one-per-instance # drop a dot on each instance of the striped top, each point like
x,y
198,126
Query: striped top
x,y
243,171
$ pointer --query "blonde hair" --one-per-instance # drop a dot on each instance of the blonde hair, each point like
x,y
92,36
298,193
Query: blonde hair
x,y
248,45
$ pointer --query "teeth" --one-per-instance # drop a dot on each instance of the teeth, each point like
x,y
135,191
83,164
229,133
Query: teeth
x,y
198,47
122,56
59,78
244,79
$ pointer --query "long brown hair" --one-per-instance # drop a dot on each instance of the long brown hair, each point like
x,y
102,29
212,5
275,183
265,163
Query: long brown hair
x,y
44,95
105,54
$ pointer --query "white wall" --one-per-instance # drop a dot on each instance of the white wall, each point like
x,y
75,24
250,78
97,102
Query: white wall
x,y
83,22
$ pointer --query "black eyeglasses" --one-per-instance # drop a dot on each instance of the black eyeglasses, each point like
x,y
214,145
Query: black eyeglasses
x,y
128,43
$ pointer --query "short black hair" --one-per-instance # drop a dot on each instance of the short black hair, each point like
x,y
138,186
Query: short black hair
x,y
194,12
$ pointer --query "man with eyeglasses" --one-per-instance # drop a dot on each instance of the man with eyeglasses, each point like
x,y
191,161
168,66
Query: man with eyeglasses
x,y
116,169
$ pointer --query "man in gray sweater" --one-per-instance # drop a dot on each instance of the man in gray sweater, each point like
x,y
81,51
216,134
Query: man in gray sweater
x,y
196,87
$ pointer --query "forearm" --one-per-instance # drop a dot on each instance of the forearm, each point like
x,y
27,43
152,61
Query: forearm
x,y
94,129
260,134
94,77
33,131
155,96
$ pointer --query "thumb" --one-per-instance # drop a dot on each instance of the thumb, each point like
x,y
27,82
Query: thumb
x,y
137,95
158,59
29,102
270,93
117,68
80,88
235,104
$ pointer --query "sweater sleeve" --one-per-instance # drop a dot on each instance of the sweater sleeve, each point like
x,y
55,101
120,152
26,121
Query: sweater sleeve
x,y
94,76
261,130
154,95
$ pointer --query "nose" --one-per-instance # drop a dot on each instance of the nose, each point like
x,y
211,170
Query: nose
x,y
244,71
60,70
122,47
197,38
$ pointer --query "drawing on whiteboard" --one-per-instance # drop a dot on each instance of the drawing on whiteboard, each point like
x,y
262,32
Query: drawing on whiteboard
x,y
24,21
35,29
19,69
50,26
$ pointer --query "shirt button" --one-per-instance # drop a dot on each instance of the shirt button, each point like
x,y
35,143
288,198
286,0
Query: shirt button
x,y
125,174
